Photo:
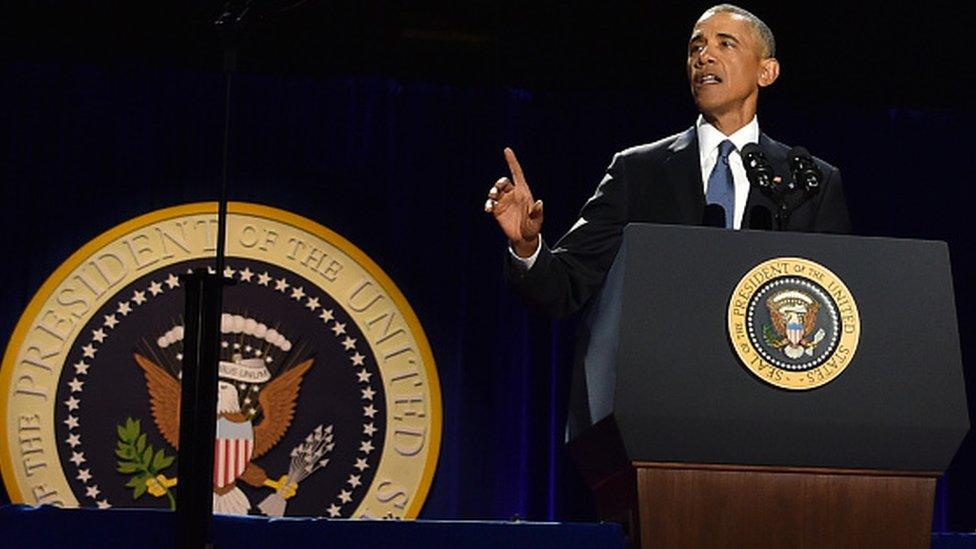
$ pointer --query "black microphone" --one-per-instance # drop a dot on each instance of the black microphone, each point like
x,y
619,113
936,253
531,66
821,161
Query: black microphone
x,y
758,170
714,216
804,170
760,218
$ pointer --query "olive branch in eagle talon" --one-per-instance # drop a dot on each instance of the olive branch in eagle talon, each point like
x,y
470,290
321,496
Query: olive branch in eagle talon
x,y
277,401
145,464
771,338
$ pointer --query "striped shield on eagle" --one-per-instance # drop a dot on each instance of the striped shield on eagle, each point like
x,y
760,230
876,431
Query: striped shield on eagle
x,y
793,315
233,447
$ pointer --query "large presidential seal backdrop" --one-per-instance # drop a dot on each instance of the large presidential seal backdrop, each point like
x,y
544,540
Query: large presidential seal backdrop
x,y
329,400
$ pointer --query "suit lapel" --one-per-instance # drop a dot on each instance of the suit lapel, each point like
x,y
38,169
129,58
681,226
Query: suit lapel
x,y
683,172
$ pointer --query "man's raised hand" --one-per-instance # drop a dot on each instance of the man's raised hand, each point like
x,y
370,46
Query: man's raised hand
x,y
517,213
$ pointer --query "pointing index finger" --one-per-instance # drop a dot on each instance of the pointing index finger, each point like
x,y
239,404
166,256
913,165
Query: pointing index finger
x,y
513,165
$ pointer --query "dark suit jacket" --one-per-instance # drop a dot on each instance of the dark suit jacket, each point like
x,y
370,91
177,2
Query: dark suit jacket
x,y
656,183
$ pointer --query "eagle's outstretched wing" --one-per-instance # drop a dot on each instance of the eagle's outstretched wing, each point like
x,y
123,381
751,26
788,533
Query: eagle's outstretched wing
x,y
277,401
164,395
778,323
810,319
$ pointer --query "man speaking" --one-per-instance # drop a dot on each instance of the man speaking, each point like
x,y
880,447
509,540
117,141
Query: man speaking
x,y
731,55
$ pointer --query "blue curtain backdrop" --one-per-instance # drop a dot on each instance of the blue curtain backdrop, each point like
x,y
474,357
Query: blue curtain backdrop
x,y
401,169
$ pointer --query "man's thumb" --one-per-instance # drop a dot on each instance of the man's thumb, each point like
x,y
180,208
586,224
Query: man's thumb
x,y
536,210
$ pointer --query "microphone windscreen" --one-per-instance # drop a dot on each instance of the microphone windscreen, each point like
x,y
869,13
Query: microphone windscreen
x,y
806,174
714,216
757,169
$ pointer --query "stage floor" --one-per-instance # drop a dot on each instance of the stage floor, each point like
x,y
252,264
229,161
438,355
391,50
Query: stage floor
x,y
42,527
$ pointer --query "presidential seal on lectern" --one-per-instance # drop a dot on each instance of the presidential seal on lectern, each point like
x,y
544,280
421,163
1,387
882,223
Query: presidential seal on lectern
x,y
793,323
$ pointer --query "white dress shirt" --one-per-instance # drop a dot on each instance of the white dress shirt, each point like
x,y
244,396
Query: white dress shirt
x,y
709,138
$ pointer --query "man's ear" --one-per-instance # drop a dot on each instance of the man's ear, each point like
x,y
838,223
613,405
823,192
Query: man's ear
x,y
768,71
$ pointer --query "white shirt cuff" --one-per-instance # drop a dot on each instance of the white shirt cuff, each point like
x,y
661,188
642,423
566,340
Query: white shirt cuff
x,y
525,263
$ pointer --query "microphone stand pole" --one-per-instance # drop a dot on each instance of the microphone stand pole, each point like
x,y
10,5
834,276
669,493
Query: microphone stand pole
x,y
782,214
201,347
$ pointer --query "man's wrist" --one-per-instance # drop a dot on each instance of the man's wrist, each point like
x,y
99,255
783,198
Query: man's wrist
x,y
525,263
526,248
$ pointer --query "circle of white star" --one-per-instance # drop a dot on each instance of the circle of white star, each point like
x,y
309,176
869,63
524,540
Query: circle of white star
x,y
158,287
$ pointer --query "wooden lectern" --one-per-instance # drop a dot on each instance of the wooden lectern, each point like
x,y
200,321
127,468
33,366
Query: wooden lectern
x,y
687,448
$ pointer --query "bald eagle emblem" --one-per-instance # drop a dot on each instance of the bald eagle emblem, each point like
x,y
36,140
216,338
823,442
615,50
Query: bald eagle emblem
x,y
794,323
254,411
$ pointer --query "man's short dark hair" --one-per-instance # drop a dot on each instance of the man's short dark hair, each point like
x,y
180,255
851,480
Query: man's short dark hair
x,y
762,30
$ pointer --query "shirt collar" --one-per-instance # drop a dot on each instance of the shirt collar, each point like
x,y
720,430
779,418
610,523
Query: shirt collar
x,y
709,137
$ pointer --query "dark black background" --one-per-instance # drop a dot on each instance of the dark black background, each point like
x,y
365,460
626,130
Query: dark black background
x,y
862,54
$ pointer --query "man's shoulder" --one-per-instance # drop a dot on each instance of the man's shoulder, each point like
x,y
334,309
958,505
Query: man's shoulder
x,y
779,152
658,149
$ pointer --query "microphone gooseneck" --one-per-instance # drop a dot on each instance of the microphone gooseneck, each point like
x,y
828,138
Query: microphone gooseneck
x,y
760,218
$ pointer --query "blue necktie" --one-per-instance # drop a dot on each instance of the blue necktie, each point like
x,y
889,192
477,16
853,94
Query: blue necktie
x,y
721,189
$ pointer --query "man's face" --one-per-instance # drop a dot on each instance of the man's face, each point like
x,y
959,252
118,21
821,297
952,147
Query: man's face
x,y
726,65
